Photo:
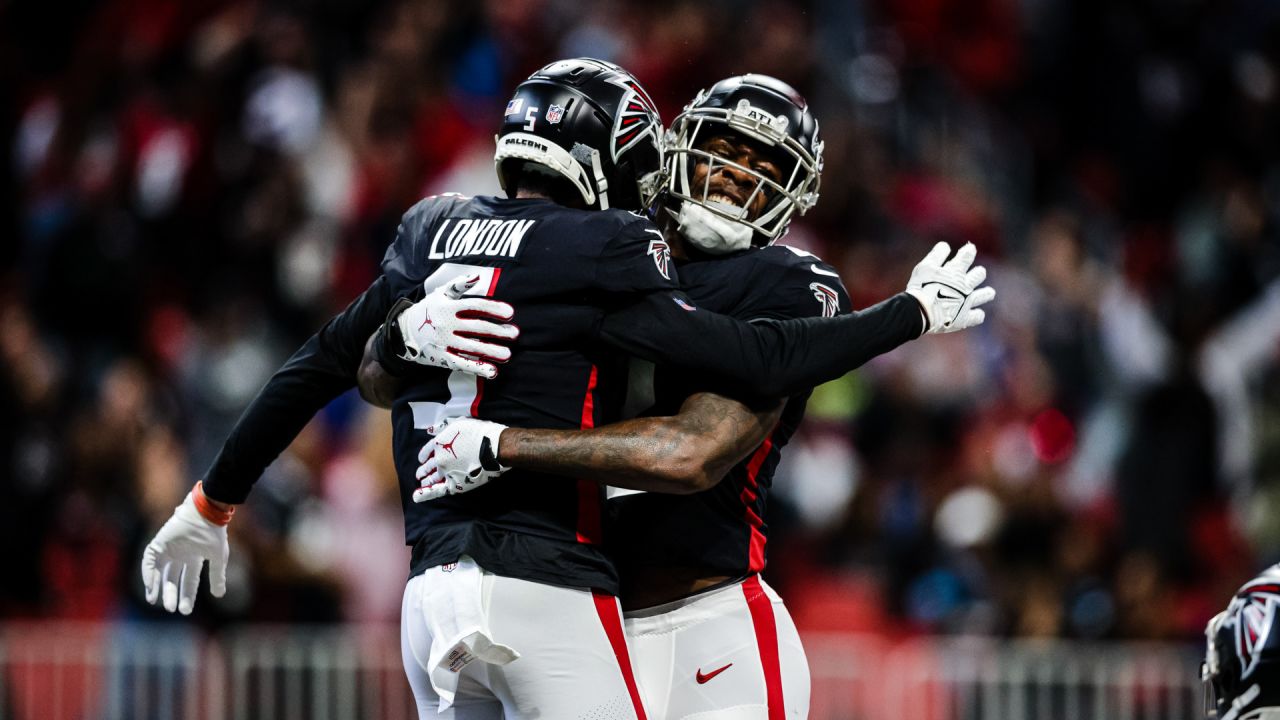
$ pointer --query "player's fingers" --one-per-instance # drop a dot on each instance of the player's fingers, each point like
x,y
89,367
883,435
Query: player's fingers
x,y
480,348
424,472
218,573
422,495
188,584
148,567
472,367
427,451
975,277
486,328
963,259
460,285
480,334
974,318
481,307
428,470
169,586
152,583
981,297
937,255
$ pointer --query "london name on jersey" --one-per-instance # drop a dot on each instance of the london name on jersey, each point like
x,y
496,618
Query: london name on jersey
x,y
479,236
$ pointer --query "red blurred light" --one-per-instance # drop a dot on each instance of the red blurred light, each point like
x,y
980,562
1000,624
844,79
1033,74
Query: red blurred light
x,y
1053,437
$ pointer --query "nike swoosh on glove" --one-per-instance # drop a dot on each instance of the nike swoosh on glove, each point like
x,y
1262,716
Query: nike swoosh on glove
x,y
451,330
948,290
461,457
173,559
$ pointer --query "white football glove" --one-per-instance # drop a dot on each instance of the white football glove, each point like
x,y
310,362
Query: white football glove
x,y
176,554
447,330
461,457
948,291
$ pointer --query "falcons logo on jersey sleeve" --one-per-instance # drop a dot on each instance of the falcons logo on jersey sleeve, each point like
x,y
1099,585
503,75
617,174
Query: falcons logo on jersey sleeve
x,y
660,251
828,297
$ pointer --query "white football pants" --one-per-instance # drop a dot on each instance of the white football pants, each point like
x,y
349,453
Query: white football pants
x,y
571,655
729,654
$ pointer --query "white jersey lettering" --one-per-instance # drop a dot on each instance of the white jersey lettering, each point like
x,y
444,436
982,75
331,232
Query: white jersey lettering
x,y
479,236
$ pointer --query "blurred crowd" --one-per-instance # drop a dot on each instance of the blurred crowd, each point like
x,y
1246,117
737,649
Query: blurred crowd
x,y
188,190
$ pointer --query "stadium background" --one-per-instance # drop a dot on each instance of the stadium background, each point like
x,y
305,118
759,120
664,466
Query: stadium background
x,y
187,190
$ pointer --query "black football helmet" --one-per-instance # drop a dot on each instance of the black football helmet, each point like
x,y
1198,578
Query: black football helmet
x,y
767,111
1241,669
591,122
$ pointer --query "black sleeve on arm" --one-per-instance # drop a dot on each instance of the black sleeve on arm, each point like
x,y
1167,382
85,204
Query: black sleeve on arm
x,y
772,358
322,369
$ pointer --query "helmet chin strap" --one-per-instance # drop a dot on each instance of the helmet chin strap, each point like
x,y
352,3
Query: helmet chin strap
x,y
710,232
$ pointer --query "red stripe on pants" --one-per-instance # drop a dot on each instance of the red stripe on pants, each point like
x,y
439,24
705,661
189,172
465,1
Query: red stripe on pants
x,y
610,617
761,608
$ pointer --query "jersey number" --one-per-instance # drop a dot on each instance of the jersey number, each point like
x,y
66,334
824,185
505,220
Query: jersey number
x,y
464,389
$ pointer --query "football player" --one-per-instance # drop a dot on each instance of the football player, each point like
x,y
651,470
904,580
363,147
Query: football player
x,y
578,148
707,634
1243,654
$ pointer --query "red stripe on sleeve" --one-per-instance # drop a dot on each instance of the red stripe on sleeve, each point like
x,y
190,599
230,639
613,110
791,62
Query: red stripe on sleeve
x,y
761,609
610,617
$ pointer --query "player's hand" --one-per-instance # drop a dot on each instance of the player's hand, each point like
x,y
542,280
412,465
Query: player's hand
x,y
450,330
172,561
461,457
948,290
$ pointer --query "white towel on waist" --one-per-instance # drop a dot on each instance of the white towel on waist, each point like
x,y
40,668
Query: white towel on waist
x,y
454,606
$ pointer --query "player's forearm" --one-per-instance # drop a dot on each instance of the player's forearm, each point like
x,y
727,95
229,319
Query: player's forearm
x,y
377,386
321,370
685,453
772,358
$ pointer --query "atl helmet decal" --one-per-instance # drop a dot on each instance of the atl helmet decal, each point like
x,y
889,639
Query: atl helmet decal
x,y
828,297
661,254
636,117
554,114
1255,618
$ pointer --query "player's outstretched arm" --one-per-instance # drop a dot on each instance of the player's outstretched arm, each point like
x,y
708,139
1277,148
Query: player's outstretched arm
x,y
683,453
776,358
323,368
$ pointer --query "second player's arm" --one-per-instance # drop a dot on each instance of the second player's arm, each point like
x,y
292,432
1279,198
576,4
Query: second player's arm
x,y
683,453
770,358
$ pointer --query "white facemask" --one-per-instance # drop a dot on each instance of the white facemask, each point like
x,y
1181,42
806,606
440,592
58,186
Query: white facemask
x,y
710,232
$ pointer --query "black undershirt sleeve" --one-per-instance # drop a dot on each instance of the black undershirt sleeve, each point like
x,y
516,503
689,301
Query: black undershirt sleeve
x,y
771,358
321,370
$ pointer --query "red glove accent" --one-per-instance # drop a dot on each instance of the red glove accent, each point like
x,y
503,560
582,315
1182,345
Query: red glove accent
x,y
207,509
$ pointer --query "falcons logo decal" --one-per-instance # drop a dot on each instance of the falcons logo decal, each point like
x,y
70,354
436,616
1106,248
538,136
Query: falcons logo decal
x,y
1255,617
828,297
661,254
636,119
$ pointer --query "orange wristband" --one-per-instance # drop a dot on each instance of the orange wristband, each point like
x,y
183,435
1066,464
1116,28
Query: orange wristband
x,y
207,509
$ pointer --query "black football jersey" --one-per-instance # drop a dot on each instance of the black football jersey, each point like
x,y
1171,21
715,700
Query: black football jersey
x,y
722,530
561,269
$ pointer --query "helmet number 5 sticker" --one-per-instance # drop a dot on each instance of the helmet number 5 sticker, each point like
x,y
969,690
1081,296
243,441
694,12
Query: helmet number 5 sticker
x,y
530,115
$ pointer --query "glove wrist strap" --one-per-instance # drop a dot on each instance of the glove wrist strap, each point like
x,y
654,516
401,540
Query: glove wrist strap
x,y
388,347
207,509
